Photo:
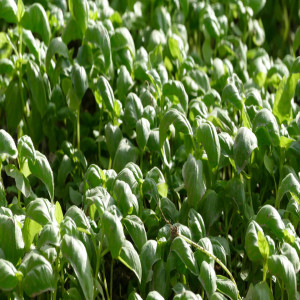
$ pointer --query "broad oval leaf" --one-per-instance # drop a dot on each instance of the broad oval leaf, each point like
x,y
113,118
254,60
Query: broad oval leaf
x,y
97,34
245,142
37,88
38,274
176,88
208,278
80,80
56,46
251,242
8,11
75,253
35,19
40,210
130,258
8,278
185,253
289,184
136,230
7,145
106,93
42,170
194,180
207,134
178,119
283,269
265,121
269,218
80,12
113,230
11,239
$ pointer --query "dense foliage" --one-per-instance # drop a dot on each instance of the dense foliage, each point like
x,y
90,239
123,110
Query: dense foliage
x,y
149,149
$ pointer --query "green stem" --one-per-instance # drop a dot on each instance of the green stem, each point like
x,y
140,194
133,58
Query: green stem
x,y
111,277
98,253
214,258
105,285
78,128
265,269
282,291
19,198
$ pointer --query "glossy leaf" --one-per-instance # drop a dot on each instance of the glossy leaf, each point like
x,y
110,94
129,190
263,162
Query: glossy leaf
x,y
75,253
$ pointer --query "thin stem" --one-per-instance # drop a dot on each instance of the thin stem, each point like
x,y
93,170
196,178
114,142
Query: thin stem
x,y
78,128
214,258
19,198
105,285
111,277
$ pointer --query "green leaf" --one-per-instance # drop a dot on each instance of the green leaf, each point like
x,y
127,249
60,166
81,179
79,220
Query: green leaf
x,y
25,148
256,5
283,269
208,278
79,80
114,232
122,39
292,255
231,94
14,108
251,242
268,217
106,93
8,11
149,255
30,229
227,287
206,133
263,245
130,258
38,274
56,46
8,278
125,153
176,88
124,82
180,122
49,235
11,239
296,42
154,295
22,183
245,142
7,145
262,291
185,253
126,200
142,132
42,170
80,12
265,127
282,108
21,10
78,216
194,180
97,34
71,32
40,210
35,19
196,225
174,49
37,88
136,230
113,136
75,253
289,184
